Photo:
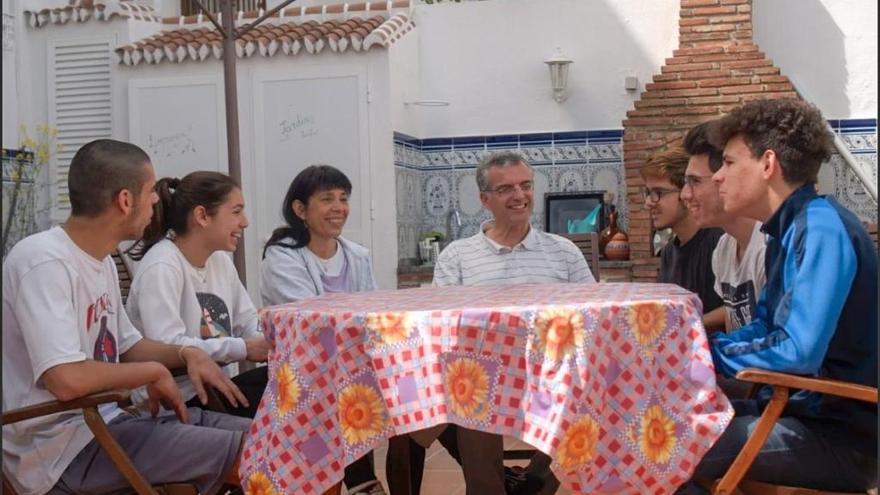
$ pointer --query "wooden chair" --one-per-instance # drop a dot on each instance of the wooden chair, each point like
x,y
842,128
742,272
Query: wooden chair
x,y
872,231
124,271
732,483
89,406
589,246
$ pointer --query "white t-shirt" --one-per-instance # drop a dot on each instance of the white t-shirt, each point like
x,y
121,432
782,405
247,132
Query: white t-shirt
x,y
331,266
60,305
174,302
740,283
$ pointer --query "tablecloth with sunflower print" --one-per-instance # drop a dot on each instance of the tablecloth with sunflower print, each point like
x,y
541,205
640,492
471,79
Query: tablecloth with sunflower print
x,y
614,381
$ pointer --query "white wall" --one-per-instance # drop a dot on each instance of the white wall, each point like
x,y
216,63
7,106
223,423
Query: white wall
x,y
380,150
11,28
827,47
404,64
486,59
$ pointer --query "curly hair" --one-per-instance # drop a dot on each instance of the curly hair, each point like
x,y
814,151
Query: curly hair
x,y
794,129
696,142
669,164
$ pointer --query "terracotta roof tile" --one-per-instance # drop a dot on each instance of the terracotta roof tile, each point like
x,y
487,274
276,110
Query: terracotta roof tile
x,y
83,10
285,35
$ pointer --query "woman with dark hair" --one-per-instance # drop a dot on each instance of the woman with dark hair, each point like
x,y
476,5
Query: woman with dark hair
x,y
308,257
186,290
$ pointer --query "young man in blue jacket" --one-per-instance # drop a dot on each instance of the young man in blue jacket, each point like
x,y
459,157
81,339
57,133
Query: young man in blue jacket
x,y
817,315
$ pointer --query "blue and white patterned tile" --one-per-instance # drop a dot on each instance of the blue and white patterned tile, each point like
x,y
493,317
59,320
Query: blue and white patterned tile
x,y
437,194
604,152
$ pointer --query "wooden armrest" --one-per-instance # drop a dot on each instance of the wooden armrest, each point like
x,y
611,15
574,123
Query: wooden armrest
x,y
822,385
120,397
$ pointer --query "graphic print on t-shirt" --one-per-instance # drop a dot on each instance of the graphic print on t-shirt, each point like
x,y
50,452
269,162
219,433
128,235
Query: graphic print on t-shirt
x,y
215,316
105,341
742,302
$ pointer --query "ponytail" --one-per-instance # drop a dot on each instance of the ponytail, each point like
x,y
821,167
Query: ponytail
x,y
177,199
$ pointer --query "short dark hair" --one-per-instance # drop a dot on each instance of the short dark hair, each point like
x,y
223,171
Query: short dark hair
x,y
696,142
100,170
794,129
313,179
669,164
177,200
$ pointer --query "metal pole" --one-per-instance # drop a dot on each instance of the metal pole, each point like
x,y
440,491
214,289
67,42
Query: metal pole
x,y
232,144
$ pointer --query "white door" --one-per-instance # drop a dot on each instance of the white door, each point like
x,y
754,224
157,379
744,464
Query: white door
x,y
317,116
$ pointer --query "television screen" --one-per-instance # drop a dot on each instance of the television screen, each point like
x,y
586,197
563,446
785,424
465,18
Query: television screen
x,y
574,212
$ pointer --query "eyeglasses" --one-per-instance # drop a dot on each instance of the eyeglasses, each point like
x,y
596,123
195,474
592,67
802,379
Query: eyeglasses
x,y
694,181
508,189
655,193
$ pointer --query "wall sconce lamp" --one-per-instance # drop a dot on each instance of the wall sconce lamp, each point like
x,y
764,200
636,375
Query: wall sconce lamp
x,y
558,66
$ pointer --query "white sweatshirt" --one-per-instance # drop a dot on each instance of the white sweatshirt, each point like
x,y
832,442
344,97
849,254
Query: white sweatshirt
x,y
174,302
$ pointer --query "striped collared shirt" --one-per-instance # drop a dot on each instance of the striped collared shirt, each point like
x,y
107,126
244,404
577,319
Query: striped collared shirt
x,y
539,257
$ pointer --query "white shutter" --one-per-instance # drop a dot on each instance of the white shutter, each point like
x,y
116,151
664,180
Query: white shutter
x,y
79,105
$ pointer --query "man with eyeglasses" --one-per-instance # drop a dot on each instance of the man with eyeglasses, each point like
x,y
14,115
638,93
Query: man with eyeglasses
x,y
506,250
686,260
817,315
738,259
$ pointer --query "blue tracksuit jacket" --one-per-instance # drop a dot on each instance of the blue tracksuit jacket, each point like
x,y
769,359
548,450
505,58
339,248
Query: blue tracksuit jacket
x,y
817,314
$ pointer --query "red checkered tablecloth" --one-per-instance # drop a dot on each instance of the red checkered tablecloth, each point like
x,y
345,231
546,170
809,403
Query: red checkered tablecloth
x,y
614,381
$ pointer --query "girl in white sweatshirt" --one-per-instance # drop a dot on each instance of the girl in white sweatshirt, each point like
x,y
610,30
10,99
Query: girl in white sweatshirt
x,y
186,290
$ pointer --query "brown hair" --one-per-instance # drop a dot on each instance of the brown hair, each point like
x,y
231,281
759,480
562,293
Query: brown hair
x,y
696,142
177,199
794,129
669,164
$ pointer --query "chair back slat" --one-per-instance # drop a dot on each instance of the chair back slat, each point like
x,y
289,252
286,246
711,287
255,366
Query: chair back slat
x,y
589,245
124,274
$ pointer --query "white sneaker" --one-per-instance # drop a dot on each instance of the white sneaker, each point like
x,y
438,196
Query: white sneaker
x,y
373,487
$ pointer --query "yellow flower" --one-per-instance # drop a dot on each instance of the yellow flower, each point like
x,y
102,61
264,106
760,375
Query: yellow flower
x,y
361,413
467,384
393,327
579,443
559,332
647,321
288,389
259,484
657,435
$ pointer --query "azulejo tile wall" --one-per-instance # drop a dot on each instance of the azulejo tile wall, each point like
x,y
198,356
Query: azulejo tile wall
x,y
436,177
836,178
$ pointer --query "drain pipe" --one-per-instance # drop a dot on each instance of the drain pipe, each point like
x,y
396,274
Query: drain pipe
x,y
857,168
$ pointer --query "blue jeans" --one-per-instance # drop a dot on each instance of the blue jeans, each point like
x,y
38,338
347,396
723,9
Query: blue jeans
x,y
797,453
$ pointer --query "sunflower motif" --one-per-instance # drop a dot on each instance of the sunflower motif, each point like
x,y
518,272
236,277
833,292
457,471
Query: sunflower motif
x,y
361,413
259,484
647,321
288,389
559,332
467,382
579,443
393,327
657,435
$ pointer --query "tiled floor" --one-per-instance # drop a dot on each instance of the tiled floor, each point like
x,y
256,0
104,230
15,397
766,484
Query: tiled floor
x,y
442,474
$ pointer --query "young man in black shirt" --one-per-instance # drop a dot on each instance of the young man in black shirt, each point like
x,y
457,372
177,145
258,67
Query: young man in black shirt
x,y
687,259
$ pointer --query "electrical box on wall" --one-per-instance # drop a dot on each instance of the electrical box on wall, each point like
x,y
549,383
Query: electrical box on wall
x,y
631,83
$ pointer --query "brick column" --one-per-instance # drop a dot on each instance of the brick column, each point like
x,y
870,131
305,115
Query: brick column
x,y
716,68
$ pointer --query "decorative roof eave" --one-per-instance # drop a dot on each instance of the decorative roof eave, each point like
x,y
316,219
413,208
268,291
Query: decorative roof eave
x,y
84,10
278,38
